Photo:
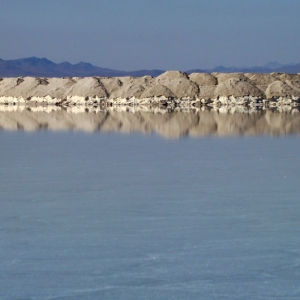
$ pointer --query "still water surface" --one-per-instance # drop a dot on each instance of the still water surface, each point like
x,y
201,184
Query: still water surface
x,y
130,216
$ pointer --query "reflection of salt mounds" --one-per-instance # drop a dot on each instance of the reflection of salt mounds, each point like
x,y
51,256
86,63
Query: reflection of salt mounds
x,y
12,108
171,89
218,121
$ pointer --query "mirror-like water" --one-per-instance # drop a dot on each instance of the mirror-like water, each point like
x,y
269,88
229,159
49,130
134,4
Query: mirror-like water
x,y
216,121
112,216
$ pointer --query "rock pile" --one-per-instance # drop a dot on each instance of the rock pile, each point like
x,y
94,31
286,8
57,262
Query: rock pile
x,y
172,88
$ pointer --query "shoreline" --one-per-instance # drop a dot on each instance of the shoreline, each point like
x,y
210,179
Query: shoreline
x,y
153,101
78,108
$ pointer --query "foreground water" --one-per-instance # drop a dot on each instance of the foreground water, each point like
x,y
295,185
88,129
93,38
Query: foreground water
x,y
112,216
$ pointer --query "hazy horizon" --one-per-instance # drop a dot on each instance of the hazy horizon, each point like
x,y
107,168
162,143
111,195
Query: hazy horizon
x,y
267,64
130,35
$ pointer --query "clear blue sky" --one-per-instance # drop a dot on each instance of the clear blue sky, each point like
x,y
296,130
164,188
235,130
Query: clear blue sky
x,y
161,34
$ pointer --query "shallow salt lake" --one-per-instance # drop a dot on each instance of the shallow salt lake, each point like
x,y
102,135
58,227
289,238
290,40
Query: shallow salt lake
x,y
132,216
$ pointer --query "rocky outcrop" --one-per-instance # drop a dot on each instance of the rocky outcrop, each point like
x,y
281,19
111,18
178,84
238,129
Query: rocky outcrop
x,y
172,88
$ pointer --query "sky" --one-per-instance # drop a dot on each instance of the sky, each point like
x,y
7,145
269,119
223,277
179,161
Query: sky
x,y
157,34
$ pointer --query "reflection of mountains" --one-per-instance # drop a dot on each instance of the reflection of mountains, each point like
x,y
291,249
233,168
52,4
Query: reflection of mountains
x,y
174,124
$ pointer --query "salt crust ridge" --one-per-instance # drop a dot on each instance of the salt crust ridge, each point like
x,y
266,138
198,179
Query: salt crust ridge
x,y
171,89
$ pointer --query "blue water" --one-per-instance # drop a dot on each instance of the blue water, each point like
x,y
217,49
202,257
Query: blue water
x,y
112,216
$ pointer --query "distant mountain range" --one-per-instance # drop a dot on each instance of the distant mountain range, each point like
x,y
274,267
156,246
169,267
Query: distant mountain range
x,y
270,67
42,67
